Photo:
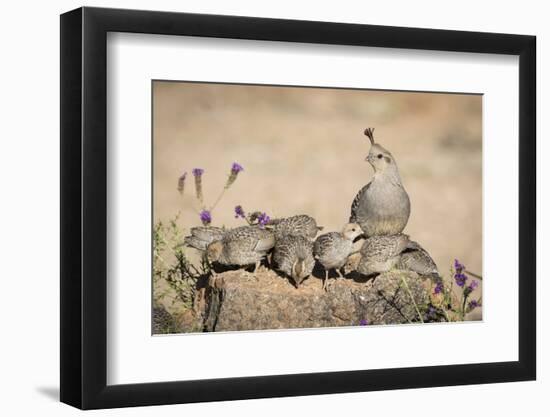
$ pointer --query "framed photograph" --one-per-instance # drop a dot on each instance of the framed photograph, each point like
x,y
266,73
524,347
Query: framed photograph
x,y
257,208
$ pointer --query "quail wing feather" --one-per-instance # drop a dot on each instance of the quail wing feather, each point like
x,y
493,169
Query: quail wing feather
x,y
202,236
300,225
380,248
416,258
356,202
291,249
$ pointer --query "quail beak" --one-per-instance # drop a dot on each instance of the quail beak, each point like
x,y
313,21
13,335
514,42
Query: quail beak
x,y
362,236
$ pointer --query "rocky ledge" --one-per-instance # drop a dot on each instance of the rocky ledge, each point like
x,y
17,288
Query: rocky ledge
x,y
241,300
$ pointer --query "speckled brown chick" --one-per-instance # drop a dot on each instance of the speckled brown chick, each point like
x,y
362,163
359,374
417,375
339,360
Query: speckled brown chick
x,y
415,258
381,253
202,236
293,255
332,249
246,245
300,225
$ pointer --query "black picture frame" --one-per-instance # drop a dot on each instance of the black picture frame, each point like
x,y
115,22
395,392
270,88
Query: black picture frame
x,y
84,207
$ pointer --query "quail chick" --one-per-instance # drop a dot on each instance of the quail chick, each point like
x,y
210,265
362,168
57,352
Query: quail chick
x,y
293,255
380,253
332,249
300,225
382,207
383,253
415,258
202,236
246,245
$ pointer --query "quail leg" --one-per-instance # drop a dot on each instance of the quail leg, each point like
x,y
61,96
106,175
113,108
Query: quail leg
x,y
213,276
325,281
340,276
257,266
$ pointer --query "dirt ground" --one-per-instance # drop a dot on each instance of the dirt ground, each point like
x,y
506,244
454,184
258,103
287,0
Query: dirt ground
x,y
303,151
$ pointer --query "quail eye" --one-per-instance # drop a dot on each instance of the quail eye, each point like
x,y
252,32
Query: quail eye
x,y
379,156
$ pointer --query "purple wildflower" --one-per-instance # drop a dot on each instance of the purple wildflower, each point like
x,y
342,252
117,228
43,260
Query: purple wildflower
x,y
206,217
364,322
431,313
439,288
263,219
470,288
197,172
239,212
460,279
181,182
236,168
473,304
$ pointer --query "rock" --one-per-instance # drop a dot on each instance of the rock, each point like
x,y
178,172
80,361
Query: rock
x,y
183,321
187,321
240,300
162,321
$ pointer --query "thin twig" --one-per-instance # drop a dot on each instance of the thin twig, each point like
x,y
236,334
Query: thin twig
x,y
473,274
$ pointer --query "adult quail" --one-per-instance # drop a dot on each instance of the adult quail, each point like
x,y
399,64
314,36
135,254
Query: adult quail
x,y
382,207
293,255
202,236
332,249
300,225
245,245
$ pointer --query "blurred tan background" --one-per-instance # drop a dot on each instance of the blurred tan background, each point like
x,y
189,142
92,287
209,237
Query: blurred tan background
x,y
303,152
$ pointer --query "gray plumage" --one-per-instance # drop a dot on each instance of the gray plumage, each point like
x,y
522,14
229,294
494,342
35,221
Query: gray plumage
x,y
416,258
382,207
293,255
300,225
242,246
332,249
381,253
202,236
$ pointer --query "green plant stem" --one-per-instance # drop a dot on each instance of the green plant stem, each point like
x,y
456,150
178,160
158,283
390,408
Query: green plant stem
x,y
412,298
219,198
463,311
443,308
